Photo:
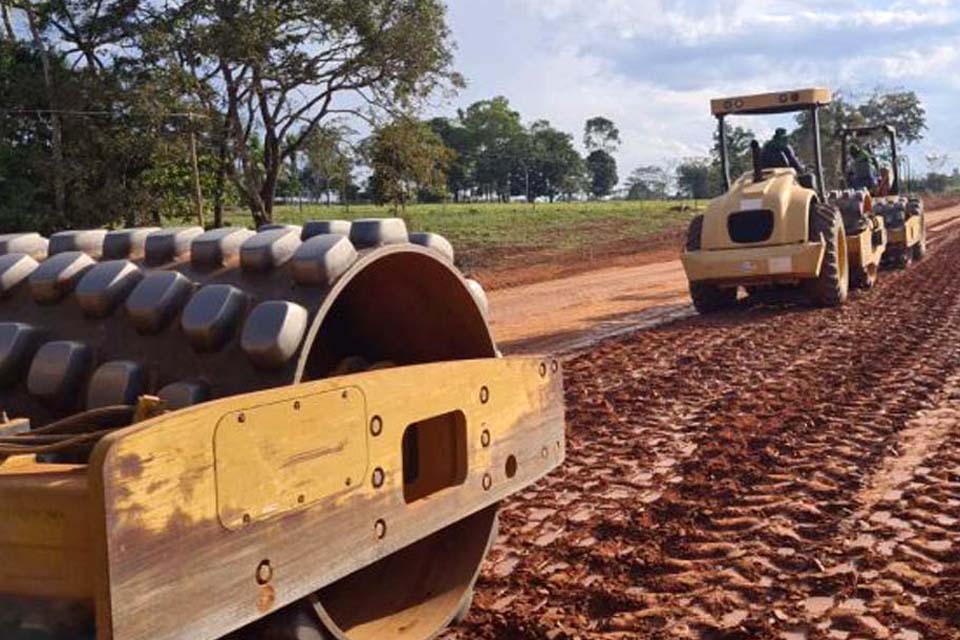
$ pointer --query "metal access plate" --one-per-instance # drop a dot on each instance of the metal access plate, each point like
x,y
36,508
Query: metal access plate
x,y
276,458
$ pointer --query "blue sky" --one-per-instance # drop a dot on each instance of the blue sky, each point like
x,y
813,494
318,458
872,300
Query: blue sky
x,y
652,66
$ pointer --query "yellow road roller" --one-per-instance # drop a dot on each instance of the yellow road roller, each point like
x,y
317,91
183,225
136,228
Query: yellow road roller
x,y
774,228
902,212
301,432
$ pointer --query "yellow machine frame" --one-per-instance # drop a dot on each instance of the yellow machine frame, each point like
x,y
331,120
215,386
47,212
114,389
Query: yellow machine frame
x,y
201,501
786,256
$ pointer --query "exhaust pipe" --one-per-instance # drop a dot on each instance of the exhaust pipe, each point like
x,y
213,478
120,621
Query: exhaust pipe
x,y
757,167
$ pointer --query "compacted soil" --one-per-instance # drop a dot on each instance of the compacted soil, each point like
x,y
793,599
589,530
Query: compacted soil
x,y
771,472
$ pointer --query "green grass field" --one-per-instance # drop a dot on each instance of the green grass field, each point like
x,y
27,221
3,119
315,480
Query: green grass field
x,y
474,227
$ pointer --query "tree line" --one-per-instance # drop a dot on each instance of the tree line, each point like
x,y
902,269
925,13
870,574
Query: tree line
x,y
128,112
132,112
487,153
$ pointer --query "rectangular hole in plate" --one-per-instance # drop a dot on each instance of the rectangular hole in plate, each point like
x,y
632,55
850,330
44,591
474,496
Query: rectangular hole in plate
x,y
434,455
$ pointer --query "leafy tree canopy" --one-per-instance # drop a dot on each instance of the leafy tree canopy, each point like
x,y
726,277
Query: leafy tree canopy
x,y
601,134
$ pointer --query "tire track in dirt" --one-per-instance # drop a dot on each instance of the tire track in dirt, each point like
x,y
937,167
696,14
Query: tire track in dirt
x,y
904,542
718,469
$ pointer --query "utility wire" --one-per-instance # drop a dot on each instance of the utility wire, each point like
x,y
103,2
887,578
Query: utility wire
x,y
171,114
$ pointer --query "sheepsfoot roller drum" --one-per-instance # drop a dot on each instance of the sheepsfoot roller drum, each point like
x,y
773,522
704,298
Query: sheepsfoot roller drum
x,y
867,235
297,433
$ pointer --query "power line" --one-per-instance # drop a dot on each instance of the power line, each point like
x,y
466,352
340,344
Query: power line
x,y
73,112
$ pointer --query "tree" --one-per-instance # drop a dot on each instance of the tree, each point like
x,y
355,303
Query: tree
x,y
602,138
123,147
460,174
277,70
901,109
329,162
553,163
406,156
648,183
497,139
91,33
693,178
53,107
603,173
739,155
601,134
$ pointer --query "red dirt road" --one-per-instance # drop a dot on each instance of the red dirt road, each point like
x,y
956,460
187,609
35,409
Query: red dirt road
x,y
767,473
570,313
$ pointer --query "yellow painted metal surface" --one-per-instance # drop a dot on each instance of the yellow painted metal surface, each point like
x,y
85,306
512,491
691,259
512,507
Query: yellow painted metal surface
x,y
769,101
778,193
275,458
166,547
45,530
907,235
860,247
156,521
755,265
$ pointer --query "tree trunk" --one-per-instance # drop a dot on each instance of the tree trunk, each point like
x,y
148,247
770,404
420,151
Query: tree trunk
x,y
268,192
7,25
220,184
56,142
195,170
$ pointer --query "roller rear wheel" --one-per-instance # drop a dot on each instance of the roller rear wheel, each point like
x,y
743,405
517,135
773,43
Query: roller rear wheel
x,y
830,288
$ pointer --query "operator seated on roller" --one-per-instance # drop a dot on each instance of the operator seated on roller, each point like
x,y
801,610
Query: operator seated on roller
x,y
865,170
778,154
885,182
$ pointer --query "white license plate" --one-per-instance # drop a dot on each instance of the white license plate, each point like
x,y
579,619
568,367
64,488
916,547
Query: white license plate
x,y
781,265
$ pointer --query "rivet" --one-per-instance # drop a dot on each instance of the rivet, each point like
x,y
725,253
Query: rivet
x,y
378,477
555,366
380,529
544,452
301,498
543,370
485,438
487,482
348,481
246,518
264,572
345,395
241,417
296,405
376,426
484,395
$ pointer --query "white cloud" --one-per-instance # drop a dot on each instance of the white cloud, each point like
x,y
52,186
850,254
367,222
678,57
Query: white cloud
x,y
653,65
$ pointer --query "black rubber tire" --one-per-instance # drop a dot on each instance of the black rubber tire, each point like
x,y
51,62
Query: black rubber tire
x,y
694,232
708,298
296,622
831,287
902,258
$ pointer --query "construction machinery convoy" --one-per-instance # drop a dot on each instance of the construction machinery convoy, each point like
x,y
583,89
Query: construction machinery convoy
x,y
902,213
304,433
776,229
296,433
